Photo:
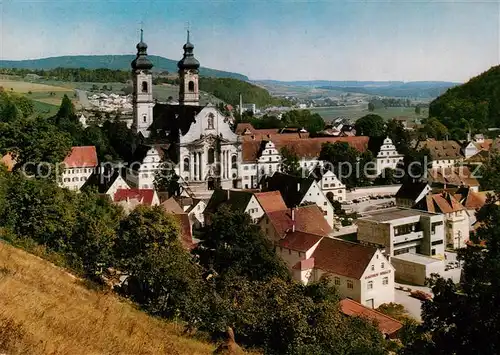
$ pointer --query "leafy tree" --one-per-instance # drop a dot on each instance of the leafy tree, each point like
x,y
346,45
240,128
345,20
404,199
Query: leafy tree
x,y
312,122
414,165
290,163
163,277
166,179
370,125
464,318
490,174
399,136
371,106
343,158
66,110
95,234
418,110
232,245
434,129
387,177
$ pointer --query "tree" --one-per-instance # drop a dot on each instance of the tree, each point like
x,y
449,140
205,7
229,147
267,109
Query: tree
x,y
464,318
433,129
166,180
387,177
232,245
418,110
290,162
163,278
66,110
312,122
370,125
490,174
343,160
399,136
371,106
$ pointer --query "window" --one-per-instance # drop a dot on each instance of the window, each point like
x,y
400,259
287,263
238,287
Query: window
x,y
369,286
233,162
433,252
382,265
349,284
245,168
325,203
373,267
437,242
82,178
144,86
211,156
191,86
337,281
385,280
186,164
144,118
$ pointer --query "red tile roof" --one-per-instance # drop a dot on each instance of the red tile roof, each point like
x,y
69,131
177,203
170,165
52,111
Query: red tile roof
x,y
440,150
271,201
171,206
303,147
343,258
308,219
386,325
299,241
470,199
441,203
457,176
305,264
144,196
81,157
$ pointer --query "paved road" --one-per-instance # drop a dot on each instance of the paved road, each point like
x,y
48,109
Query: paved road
x,y
369,205
82,98
412,305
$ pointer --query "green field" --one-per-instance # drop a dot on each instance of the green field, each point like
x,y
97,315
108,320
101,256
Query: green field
x,y
355,112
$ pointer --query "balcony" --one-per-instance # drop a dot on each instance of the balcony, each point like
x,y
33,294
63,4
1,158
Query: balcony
x,y
408,237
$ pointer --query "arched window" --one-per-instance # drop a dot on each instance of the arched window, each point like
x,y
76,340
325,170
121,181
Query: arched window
x,y
186,164
144,118
233,162
210,121
144,86
191,86
211,156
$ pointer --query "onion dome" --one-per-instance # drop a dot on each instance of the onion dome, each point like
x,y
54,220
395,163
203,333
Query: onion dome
x,y
188,61
141,61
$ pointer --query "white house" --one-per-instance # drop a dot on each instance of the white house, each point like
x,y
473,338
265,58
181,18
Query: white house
x,y
297,191
444,154
106,183
237,200
388,157
331,186
78,166
145,163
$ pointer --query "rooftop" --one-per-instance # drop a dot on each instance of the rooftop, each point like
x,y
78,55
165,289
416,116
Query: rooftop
x,y
394,213
386,324
271,201
81,157
417,258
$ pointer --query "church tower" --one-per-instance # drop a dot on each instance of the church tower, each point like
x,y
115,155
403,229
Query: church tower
x,y
188,76
142,101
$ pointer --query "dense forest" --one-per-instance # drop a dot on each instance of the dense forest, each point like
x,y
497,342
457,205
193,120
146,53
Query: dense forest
x,y
474,105
229,90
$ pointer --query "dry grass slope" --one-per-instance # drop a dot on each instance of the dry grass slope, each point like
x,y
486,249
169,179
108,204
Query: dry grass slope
x,y
45,310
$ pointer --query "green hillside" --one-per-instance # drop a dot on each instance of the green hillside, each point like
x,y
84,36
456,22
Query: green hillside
x,y
475,104
229,89
114,62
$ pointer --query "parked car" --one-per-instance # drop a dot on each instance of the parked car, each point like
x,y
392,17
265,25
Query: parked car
x,y
355,201
420,295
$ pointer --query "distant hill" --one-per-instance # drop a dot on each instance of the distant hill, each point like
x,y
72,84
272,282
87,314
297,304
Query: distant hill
x,y
475,104
109,62
416,89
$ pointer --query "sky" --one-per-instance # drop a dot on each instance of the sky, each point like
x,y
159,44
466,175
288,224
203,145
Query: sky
x,y
270,39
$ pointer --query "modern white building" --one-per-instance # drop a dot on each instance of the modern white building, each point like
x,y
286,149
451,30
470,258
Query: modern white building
x,y
78,166
388,157
401,230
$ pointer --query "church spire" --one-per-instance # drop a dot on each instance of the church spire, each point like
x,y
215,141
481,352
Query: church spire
x,y
141,60
188,60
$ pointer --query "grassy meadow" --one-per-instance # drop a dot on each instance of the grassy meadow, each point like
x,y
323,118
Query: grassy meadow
x,y
45,310
355,112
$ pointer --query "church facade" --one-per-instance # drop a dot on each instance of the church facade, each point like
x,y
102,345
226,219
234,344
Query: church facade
x,y
196,140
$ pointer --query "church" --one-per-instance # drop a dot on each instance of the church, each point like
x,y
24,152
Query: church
x,y
197,139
